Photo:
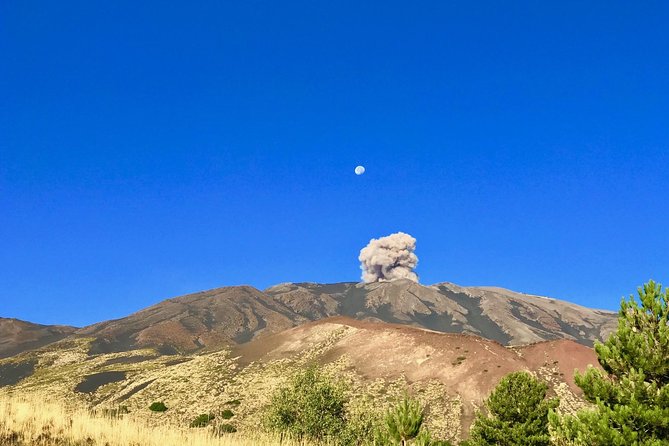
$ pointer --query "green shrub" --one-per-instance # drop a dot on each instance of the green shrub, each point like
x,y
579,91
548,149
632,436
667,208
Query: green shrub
x,y
233,403
310,406
226,428
202,420
227,414
158,407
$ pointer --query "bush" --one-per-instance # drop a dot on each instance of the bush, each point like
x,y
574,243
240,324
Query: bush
x,y
310,406
227,414
202,420
158,407
403,425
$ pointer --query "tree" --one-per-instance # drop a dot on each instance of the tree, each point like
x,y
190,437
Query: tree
x,y
311,407
403,425
403,422
631,399
517,414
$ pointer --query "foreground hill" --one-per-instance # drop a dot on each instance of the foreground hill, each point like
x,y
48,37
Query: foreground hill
x,y
450,373
238,314
17,336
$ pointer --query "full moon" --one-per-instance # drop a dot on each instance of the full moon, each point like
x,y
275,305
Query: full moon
x,y
359,170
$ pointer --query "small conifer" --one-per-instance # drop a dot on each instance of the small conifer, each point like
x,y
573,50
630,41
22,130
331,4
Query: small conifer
x,y
403,422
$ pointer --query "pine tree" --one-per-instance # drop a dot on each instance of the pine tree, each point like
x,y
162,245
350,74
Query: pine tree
x,y
404,421
631,400
403,426
517,414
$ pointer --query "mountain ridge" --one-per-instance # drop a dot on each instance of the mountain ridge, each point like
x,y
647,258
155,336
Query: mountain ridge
x,y
235,315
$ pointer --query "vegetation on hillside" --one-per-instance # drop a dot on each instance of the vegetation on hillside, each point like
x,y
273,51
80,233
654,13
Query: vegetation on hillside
x,y
34,421
311,406
631,401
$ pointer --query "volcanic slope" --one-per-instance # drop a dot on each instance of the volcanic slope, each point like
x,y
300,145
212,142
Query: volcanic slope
x,y
17,336
222,316
465,367
450,373
501,315
238,314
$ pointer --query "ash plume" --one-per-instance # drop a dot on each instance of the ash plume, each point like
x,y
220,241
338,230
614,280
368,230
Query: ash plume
x,y
389,258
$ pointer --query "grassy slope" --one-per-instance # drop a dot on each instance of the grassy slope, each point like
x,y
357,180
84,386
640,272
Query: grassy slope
x,y
36,421
211,382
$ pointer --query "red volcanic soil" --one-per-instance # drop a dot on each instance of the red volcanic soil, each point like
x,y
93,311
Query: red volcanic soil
x,y
566,355
468,365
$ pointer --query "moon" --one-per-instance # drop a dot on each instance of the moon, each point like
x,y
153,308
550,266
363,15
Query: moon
x,y
359,170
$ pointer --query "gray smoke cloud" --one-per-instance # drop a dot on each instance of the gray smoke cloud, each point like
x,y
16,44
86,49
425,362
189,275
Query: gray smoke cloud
x,y
389,258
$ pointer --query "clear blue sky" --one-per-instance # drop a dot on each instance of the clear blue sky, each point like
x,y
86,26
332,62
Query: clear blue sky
x,y
151,149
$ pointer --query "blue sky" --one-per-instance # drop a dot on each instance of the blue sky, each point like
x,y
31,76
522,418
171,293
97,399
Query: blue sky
x,y
151,149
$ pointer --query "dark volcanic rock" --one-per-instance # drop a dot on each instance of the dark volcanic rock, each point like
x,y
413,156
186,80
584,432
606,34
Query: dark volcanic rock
x,y
93,382
11,373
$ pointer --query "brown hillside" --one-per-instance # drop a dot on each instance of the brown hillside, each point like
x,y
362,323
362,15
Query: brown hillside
x,y
227,315
238,314
450,373
17,336
469,366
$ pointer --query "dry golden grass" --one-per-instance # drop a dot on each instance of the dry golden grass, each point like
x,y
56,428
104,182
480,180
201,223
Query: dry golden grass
x,y
34,420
